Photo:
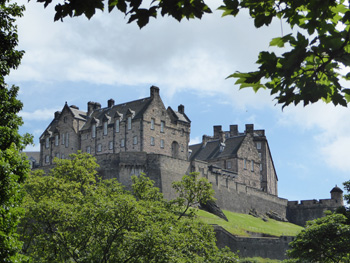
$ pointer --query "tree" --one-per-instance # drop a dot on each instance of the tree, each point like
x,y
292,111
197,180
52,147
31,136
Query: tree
x,y
74,216
13,165
311,69
325,240
192,192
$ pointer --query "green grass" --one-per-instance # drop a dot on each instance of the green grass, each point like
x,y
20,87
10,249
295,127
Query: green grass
x,y
242,224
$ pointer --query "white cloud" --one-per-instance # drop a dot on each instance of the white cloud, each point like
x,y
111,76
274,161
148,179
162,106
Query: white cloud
x,y
38,115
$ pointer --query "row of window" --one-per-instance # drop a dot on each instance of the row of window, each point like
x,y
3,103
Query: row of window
x,y
251,165
47,157
117,126
64,140
122,144
162,125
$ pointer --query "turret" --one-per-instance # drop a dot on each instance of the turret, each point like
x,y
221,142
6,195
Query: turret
x,y
337,195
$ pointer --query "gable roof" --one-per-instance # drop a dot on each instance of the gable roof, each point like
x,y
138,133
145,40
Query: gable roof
x,y
76,113
136,108
212,149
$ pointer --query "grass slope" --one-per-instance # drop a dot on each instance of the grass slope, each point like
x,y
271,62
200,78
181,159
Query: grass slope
x,y
242,224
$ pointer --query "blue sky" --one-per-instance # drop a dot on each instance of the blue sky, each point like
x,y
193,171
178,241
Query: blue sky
x,y
79,61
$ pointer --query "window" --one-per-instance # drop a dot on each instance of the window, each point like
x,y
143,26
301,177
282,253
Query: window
x,y
99,147
252,168
161,143
110,145
47,142
67,139
63,139
117,125
245,164
152,141
62,156
162,124
261,167
129,123
56,139
152,124
65,119
93,130
258,145
260,155
47,159
228,165
88,149
122,143
135,140
58,155
105,126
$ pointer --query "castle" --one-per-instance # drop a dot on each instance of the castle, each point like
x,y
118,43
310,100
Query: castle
x,y
145,136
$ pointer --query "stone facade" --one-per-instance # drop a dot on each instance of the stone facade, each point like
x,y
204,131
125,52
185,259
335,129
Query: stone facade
x,y
143,125
245,154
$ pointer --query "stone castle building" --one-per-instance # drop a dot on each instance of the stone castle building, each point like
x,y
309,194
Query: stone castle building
x,y
145,136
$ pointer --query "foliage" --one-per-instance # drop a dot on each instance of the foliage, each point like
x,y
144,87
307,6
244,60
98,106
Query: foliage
x,y
309,71
13,165
74,216
259,260
192,191
324,240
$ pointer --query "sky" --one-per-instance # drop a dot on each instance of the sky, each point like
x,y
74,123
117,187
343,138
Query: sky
x,y
81,60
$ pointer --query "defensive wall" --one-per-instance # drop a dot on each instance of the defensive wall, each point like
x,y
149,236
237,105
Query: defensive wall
x,y
300,212
237,197
230,195
265,247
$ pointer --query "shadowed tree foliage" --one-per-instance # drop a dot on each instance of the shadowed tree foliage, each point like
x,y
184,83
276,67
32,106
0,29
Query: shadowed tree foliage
x,y
13,165
74,216
315,57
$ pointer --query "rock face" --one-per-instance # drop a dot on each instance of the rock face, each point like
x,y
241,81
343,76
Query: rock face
x,y
213,208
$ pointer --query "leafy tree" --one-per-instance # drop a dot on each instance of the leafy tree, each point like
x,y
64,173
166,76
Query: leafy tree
x,y
13,165
74,216
192,191
309,71
325,240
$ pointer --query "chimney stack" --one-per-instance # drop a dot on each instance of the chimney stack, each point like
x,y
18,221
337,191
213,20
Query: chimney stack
x,y
110,103
57,114
233,130
249,128
217,130
181,109
154,91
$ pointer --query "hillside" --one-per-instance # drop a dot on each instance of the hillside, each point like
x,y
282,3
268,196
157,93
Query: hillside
x,y
247,225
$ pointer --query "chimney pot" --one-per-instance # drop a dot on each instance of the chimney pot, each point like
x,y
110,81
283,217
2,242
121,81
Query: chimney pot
x,y
181,109
217,130
154,91
110,103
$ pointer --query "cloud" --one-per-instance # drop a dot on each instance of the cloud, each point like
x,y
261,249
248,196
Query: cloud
x,y
328,126
38,115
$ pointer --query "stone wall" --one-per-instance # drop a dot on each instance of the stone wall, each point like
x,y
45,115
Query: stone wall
x,y
306,210
238,197
265,247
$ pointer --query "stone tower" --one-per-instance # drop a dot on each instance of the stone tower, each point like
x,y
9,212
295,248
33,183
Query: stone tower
x,y
337,195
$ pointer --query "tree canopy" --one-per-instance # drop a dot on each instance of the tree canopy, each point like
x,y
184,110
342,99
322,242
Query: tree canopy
x,y
13,165
74,216
316,58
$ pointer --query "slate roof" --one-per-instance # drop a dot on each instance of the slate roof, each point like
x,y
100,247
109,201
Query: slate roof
x,y
212,149
136,108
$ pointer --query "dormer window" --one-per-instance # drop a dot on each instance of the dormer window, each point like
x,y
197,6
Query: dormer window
x,y
47,142
105,128
93,130
222,147
56,139
129,123
117,125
